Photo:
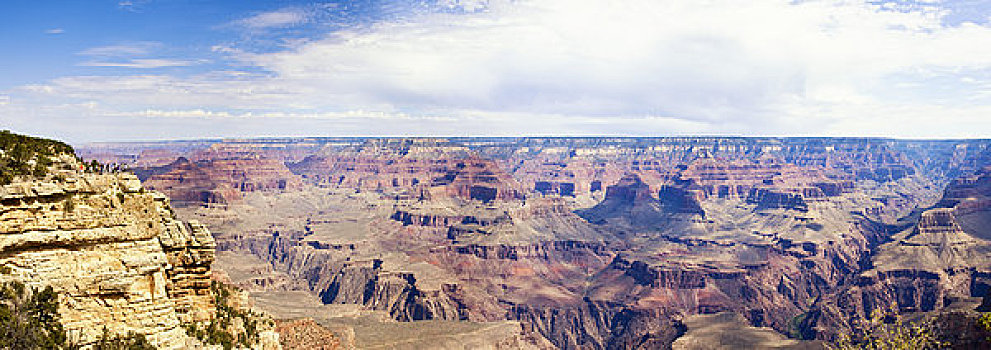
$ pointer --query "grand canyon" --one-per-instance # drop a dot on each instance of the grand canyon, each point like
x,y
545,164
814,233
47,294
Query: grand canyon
x,y
569,243
495,174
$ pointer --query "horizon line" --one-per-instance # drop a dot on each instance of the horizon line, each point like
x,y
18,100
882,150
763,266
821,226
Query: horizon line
x,y
688,136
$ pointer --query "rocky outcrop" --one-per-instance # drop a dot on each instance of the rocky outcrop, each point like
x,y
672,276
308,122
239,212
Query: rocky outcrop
x,y
114,253
396,293
631,204
646,275
677,199
220,181
599,325
476,179
98,240
925,268
189,248
541,251
769,199
306,334
555,187
421,218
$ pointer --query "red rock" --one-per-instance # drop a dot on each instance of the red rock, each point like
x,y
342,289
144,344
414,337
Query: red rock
x,y
221,180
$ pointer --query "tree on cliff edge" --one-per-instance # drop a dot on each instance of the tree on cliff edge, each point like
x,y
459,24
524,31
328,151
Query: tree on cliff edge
x,y
29,318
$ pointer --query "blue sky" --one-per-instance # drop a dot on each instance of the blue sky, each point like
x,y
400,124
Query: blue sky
x,y
166,69
44,40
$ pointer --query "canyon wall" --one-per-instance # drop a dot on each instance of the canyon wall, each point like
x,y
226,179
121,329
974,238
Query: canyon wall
x,y
115,254
594,243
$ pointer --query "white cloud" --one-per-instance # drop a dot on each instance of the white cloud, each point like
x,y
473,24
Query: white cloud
x,y
125,56
202,113
637,67
121,50
466,5
275,19
55,31
132,6
714,61
143,63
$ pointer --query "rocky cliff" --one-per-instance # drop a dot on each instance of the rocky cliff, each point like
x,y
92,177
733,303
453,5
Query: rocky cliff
x,y
632,204
941,260
115,254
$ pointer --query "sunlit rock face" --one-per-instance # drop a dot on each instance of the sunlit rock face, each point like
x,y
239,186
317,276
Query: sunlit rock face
x,y
115,253
592,243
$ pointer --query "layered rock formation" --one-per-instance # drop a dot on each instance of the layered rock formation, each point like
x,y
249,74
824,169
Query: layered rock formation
x,y
381,164
96,240
115,253
631,203
476,179
796,235
928,267
220,181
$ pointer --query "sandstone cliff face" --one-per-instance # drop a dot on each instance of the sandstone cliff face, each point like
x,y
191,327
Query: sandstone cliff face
x,y
115,253
96,240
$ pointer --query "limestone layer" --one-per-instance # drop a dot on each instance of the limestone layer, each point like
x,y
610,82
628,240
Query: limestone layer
x,y
115,253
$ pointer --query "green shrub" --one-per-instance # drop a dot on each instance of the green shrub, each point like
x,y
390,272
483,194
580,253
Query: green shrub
x,y
39,170
131,341
18,152
877,334
797,328
984,323
218,331
29,318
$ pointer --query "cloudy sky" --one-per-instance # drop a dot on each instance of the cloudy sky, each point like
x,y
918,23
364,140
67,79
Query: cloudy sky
x,y
169,69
